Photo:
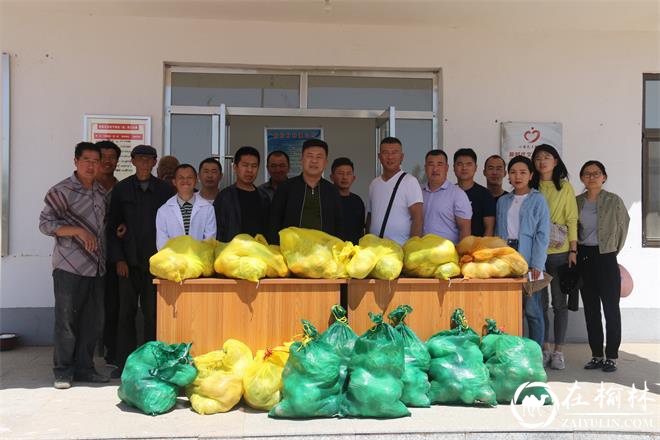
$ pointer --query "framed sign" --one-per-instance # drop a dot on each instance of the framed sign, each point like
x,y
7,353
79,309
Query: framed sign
x,y
290,141
520,138
125,131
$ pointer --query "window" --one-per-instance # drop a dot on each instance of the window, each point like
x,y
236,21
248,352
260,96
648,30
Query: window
x,y
239,90
651,161
347,92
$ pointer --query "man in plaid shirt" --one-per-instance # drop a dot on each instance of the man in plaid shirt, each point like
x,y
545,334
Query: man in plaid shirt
x,y
75,215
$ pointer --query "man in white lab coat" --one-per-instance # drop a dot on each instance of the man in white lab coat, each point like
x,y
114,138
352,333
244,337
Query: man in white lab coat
x,y
186,213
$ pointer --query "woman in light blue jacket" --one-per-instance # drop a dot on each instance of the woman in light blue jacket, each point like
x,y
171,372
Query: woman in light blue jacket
x,y
523,220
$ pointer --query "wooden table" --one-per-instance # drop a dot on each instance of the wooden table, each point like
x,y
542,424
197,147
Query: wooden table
x,y
433,302
208,311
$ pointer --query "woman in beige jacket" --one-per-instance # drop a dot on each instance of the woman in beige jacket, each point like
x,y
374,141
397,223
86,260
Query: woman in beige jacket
x,y
602,230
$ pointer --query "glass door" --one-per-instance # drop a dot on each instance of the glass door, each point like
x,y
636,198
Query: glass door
x,y
220,146
385,126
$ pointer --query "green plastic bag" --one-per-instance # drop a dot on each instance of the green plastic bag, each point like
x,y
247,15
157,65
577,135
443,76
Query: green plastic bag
x,y
458,374
512,361
374,385
153,374
311,379
415,377
342,338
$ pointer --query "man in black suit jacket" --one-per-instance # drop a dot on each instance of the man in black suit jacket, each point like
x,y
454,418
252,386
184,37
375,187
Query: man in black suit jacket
x,y
134,203
308,200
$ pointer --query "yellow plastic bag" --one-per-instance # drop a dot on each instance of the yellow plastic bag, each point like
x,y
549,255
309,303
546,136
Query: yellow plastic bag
x,y
376,257
238,356
470,244
183,258
519,266
262,382
447,270
250,259
220,246
314,254
428,256
219,383
489,257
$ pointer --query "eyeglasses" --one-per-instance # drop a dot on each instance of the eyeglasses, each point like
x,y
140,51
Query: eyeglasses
x,y
594,174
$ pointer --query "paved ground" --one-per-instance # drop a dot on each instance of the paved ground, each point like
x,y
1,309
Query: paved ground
x,y
31,409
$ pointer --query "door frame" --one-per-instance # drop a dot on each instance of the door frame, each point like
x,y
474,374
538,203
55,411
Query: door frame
x,y
220,141
302,110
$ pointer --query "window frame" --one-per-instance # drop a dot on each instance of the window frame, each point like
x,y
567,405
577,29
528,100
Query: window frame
x,y
302,110
648,135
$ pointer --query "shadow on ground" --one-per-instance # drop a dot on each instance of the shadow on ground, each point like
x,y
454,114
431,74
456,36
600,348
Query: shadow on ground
x,y
632,369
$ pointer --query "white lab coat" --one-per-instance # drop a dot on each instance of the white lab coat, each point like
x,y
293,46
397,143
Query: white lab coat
x,y
169,221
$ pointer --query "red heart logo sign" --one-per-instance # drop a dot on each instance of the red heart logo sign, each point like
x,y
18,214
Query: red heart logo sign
x,y
532,135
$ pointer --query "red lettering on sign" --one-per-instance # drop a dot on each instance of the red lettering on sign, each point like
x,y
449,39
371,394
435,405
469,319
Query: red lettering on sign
x,y
122,127
119,136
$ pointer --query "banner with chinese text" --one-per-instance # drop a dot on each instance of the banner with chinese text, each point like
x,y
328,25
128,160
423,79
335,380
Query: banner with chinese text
x,y
290,141
125,131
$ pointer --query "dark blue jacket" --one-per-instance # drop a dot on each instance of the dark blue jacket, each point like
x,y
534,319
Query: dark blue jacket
x,y
228,213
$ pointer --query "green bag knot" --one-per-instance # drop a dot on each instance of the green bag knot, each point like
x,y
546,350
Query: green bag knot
x,y
168,356
376,318
309,330
399,314
339,313
459,320
491,327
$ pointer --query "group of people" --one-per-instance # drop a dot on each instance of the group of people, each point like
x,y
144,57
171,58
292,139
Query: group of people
x,y
99,222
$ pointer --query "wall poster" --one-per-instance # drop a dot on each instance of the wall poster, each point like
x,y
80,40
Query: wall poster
x,y
520,138
125,131
290,141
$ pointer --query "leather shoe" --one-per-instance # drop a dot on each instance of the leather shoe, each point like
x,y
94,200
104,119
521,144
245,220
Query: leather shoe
x,y
93,377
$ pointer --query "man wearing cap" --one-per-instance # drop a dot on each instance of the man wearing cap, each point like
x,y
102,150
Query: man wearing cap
x,y
134,203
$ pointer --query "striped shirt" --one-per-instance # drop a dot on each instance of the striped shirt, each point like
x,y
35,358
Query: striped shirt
x,y
69,203
186,211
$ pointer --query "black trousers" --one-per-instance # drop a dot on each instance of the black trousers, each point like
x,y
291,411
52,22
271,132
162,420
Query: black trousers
x,y
78,322
601,285
111,305
137,288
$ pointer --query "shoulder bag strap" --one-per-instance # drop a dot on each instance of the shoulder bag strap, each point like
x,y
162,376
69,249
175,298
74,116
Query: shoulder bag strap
x,y
389,206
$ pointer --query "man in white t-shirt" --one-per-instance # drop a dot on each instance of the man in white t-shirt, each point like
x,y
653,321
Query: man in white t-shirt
x,y
406,218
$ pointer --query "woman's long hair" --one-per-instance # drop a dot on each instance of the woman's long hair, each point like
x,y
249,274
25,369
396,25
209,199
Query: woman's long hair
x,y
558,173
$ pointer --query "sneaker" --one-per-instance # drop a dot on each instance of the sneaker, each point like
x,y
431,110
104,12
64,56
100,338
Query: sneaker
x,y
547,357
92,377
594,364
609,365
62,383
557,362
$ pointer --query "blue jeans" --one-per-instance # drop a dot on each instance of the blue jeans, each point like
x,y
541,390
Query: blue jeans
x,y
533,307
